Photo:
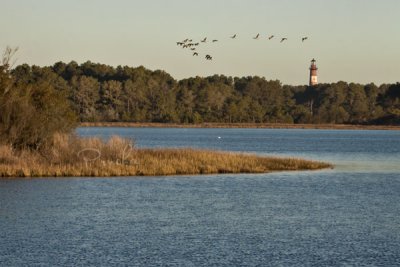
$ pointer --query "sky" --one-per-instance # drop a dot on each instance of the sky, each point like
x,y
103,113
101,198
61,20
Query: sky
x,y
352,40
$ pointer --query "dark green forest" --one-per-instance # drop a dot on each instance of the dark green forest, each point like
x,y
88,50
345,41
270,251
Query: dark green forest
x,y
102,93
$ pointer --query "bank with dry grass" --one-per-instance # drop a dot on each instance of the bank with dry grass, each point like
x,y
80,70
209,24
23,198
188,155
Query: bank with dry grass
x,y
73,156
241,125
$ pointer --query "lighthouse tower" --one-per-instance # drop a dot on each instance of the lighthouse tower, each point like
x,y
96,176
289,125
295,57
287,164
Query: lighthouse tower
x,y
313,73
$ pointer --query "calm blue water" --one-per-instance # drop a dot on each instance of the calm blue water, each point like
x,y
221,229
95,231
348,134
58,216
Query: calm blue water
x,y
345,216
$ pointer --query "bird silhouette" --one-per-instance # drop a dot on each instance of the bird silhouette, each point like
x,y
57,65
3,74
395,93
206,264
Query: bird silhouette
x,y
195,54
258,35
233,37
204,40
185,40
192,48
304,38
214,40
208,57
283,39
272,36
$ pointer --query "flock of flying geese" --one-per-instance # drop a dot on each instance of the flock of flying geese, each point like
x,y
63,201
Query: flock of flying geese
x,y
189,44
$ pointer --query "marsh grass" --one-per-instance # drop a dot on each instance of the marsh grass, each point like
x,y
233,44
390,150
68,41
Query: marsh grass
x,y
70,155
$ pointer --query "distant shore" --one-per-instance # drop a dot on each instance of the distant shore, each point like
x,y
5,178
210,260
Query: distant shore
x,y
241,125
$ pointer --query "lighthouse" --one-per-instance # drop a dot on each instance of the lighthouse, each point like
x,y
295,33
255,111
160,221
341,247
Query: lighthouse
x,y
313,73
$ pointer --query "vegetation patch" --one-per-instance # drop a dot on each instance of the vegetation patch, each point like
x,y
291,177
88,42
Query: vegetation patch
x,y
70,155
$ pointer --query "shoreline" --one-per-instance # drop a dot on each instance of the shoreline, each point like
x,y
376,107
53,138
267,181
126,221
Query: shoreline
x,y
241,125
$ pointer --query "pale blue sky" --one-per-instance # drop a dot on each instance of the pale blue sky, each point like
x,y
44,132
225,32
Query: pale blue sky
x,y
352,40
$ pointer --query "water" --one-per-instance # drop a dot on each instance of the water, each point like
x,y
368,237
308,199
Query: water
x,y
345,216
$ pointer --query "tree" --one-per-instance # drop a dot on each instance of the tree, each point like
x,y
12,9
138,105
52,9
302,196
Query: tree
x,y
185,108
110,100
135,101
162,100
330,105
31,113
85,96
357,103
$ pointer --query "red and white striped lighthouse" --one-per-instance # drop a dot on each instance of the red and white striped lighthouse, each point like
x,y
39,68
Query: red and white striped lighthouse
x,y
313,73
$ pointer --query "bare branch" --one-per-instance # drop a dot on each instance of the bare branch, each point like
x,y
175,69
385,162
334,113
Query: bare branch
x,y
7,56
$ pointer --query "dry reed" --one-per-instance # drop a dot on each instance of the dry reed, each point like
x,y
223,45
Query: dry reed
x,y
73,156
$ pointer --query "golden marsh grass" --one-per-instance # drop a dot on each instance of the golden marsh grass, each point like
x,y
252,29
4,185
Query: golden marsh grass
x,y
74,156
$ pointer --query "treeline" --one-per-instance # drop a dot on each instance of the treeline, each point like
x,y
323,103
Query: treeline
x,y
102,93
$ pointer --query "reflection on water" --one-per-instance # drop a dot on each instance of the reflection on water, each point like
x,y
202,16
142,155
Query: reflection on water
x,y
345,216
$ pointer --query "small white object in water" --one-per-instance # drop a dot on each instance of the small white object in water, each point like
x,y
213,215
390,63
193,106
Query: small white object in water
x,y
219,137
